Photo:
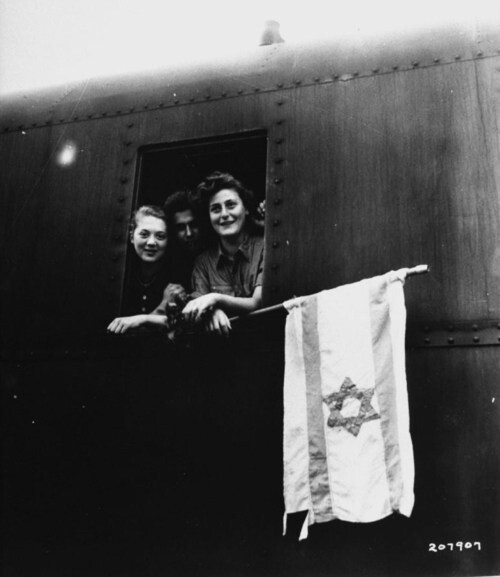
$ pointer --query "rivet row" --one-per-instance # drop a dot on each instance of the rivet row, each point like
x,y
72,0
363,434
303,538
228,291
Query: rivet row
x,y
224,94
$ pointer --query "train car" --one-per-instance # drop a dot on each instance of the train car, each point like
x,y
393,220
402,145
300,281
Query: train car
x,y
138,456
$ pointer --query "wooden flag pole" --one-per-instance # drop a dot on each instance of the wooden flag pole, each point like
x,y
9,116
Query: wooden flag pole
x,y
419,269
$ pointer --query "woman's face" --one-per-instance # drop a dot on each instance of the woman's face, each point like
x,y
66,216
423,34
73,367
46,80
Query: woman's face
x,y
150,238
227,213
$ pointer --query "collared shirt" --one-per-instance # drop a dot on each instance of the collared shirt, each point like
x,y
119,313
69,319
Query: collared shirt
x,y
215,272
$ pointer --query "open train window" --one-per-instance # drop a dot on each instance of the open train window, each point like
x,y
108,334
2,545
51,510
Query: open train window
x,y
164,169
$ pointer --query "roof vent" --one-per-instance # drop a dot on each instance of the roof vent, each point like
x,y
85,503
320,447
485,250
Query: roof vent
x,y
271,34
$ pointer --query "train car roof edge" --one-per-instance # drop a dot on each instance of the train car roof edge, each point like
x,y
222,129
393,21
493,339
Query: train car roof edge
x,y
264,69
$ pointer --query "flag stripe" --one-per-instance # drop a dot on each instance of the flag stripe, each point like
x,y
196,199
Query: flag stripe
x,y
385,387
318,465
295,434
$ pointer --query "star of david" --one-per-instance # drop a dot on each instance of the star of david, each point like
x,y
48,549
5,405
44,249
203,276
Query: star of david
x,y
335,402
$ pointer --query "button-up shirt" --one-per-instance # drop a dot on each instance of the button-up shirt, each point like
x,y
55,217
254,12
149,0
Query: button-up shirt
x,y
237,276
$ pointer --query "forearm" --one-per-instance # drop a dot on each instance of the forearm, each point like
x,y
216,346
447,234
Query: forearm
x,y
198,307
239,305
122,325
155,319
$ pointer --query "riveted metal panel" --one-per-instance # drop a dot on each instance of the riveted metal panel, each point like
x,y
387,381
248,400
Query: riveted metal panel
x,y
392,171
451,335
66,239
455,427
71,223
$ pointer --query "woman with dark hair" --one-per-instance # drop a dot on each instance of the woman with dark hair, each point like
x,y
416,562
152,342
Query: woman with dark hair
x,y
227,278
148,281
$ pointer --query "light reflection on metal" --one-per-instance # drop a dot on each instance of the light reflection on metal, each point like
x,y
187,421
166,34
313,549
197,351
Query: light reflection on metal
x,y
67,154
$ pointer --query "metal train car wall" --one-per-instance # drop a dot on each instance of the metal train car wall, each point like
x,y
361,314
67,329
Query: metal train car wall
x,y
128,456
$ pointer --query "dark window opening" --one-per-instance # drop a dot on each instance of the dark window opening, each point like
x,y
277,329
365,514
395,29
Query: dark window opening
x,y
163,169
166,168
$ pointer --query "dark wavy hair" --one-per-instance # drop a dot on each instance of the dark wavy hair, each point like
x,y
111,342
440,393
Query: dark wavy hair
x,y
179,201
147,210
214,183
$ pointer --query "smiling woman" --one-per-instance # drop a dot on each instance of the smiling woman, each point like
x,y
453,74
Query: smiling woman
x,y
149,277
227,278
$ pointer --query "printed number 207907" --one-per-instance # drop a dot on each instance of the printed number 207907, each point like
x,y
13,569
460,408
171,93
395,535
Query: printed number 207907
x,y
459,545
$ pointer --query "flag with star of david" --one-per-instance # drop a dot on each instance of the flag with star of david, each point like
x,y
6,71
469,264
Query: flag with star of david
x,y
346,444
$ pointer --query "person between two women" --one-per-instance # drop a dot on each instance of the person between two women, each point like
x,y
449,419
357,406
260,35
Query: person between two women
x,y
227,277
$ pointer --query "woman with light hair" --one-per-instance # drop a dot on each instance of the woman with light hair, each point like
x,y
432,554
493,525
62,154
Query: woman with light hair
x,y
149,274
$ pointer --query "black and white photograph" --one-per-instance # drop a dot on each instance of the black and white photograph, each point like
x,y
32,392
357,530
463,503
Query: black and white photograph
x,y
250,288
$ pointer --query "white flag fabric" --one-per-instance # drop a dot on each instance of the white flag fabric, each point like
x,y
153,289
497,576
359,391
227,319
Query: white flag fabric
x,y
346,444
